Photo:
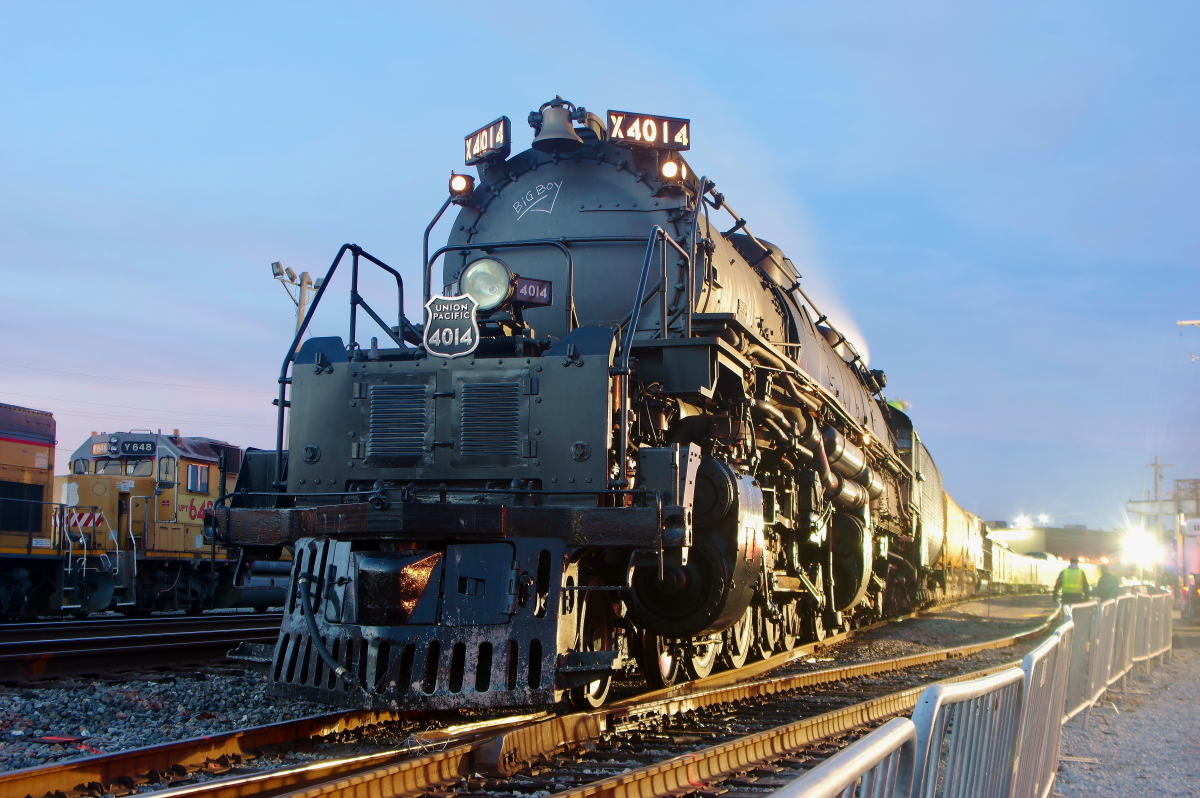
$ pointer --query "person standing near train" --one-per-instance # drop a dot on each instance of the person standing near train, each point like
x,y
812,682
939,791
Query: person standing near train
x,y
1107,586
1072,583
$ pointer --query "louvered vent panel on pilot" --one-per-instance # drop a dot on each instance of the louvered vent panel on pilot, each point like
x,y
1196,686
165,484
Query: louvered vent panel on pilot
x,y
490,419
397,421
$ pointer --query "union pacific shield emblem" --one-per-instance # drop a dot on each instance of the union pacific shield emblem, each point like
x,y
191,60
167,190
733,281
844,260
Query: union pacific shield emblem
x,y
451,329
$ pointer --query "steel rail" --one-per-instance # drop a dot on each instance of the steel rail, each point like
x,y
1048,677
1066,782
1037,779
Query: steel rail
x,y
98,772
131,646
689,772
514,741
111,627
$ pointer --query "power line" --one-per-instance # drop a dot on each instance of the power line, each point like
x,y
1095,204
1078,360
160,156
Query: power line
x,y
142,382
124,407
155,420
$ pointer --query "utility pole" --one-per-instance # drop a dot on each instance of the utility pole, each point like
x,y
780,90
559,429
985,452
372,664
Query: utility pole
x,y
1158,466
1194,323
303,284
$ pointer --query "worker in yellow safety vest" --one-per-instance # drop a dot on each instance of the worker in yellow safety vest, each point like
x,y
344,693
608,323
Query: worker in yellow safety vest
x,y
1072,583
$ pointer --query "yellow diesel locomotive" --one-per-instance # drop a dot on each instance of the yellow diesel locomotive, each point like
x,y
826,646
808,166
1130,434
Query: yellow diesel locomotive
x,y
123,530
146,493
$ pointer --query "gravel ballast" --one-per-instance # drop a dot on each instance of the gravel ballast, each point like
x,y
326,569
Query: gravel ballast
x,y
117,717
112,717
1149,745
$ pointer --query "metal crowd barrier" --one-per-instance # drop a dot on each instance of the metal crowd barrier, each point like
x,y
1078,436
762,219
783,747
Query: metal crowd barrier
x,y
966,736
1046,669
879,765
1085,616
999,736
1122,655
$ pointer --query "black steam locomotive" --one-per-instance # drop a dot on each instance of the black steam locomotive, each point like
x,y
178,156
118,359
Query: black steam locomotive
x,y
622,440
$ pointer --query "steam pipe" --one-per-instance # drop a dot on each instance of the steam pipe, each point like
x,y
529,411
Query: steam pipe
x,y
828,480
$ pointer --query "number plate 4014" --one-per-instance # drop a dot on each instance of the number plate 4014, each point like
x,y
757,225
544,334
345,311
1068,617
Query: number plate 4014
x,y
533,292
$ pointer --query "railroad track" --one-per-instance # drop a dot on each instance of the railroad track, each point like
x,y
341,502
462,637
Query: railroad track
x,y
734,725
57,648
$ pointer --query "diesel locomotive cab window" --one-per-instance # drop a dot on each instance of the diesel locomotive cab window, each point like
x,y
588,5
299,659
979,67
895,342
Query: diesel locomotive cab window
x,y
197,481
79,466
113,467
166,469
139,468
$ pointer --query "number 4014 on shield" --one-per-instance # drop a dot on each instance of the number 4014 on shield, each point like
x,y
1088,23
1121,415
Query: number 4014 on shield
x,y
449,336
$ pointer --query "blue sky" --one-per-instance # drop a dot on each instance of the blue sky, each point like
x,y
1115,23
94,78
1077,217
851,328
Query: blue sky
x,y
1000,197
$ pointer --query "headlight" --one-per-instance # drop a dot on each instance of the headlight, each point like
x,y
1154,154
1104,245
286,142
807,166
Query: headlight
x,y
488,282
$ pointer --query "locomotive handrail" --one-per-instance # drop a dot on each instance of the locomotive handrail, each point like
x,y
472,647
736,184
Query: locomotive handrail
x,y
740,224
60,511
425,246
656,234
531,242
563,244
355,300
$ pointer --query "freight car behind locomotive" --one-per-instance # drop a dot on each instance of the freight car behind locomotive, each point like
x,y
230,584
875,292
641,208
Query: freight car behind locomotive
x,y
623,440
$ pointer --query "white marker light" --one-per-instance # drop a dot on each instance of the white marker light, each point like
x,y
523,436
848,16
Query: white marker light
x,y
461,187
670,170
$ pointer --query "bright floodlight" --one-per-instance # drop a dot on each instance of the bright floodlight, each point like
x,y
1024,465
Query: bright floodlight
x,y
1023,522
488,282
1139,547
1044,519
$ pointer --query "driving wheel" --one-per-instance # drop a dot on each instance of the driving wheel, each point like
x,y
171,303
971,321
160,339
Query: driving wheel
x,y
597,635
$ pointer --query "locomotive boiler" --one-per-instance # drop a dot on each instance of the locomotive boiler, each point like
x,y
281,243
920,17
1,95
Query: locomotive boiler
x,y
622,440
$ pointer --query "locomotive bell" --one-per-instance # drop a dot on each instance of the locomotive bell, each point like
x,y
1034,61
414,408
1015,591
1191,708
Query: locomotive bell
x,y
555,133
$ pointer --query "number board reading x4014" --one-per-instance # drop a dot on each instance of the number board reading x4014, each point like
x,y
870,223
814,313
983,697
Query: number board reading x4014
x,y
647,130
491,142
